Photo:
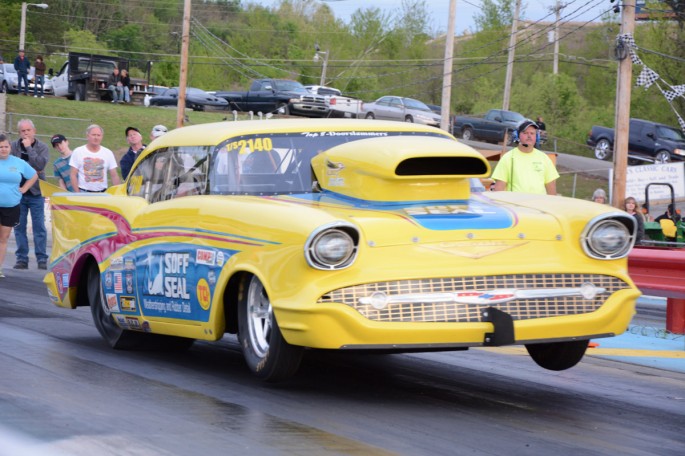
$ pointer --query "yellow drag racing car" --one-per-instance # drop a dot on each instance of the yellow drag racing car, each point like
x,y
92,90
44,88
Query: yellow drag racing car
x,y
336,234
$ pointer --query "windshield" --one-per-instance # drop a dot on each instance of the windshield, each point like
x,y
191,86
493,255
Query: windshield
x,y
277,163
289,86
416,104
9,68
669,133
512,116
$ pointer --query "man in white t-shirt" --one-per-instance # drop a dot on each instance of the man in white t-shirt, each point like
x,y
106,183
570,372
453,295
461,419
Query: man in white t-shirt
x,y
91,163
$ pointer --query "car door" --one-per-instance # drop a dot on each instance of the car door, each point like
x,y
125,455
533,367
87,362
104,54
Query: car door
x,y
173,270
641,138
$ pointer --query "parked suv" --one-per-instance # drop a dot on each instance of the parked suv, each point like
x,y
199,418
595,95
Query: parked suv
x,y
656,141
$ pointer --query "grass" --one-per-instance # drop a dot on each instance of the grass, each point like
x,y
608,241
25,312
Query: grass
x,y
71,118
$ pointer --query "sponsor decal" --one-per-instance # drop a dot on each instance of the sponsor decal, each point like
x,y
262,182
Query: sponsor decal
x,y
220,258
111,300
121,321
128,304
204,295
117,264
133,323
211,277
108,280
146,326
118,283
206,257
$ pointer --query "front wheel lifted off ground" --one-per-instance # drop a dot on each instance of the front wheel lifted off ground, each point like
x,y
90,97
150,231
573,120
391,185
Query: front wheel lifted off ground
x,y
558,356
266,352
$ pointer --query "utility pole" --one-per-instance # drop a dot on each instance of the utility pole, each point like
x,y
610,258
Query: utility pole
x,y
622,123
183,76
445,108
558,7
510,60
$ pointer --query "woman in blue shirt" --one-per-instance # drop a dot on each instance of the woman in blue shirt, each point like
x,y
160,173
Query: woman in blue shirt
x,y
16,178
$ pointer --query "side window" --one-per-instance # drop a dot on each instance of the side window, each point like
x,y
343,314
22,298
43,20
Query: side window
x,y
149,178
190,166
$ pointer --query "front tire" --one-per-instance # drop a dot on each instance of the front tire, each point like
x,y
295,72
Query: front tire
x,y
558,356
409,119
603,149
370,116
662,157
266,352
283,109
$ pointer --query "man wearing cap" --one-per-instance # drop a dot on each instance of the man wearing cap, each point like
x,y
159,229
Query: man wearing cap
x,y
135,147
524,168
61,168
157,131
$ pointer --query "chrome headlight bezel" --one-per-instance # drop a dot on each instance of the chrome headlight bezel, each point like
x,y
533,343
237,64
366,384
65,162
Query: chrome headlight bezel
x,y
333,246
609,236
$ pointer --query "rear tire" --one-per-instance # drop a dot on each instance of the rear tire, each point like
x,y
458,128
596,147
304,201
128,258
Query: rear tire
x,y
80,92
467,134
558,356
118,338
370,116
267,354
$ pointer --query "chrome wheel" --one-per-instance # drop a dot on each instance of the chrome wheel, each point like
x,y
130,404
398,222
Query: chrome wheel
x,y
603,149
467,134
662,157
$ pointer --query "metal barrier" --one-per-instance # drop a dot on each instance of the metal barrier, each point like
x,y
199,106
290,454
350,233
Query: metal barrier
x,y
46,126
661,272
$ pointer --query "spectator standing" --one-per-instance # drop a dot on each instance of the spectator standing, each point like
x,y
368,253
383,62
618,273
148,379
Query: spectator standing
x,y
36,154
61,168
630,206
16,178
91,163
135,147
541,124
524,168
125,86
599,196
23,66
114,85
39,77
157,131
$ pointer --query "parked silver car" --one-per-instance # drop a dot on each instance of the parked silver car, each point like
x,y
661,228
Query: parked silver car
x,y
9,79
403,109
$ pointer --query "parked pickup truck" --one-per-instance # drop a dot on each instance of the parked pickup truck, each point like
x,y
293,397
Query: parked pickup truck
x,y
84,77
654,141
338,104
281,96
491,128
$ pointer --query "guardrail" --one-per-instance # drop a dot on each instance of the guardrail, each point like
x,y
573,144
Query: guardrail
x,y
660,271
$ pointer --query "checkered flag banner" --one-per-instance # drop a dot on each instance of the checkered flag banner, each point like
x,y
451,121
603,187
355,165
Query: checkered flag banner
x,y
681,122
647,77
627,40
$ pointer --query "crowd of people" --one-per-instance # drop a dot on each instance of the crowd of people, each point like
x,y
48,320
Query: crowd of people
x,y
88,168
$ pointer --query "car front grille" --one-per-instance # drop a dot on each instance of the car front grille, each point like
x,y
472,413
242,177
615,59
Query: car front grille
x,y
313,99
550,298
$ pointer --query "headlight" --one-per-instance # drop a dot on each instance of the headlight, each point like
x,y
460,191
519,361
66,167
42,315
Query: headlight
x,y
679,152
332,246
609,236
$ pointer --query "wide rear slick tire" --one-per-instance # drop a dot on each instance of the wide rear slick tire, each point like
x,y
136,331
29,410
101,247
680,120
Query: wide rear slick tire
x,y
119,338
267,354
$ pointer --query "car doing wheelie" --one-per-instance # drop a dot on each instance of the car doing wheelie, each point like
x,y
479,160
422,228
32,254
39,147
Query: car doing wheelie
x,y
341,234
